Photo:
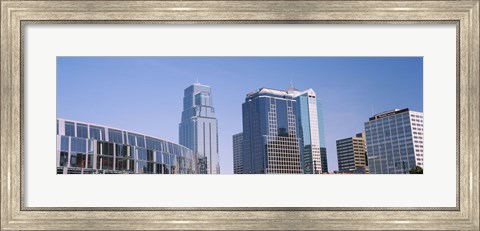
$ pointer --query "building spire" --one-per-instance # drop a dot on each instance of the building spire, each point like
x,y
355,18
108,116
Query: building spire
x,y
197,81
291,88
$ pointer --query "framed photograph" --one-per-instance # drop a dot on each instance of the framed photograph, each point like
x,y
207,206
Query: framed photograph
x,y
240,115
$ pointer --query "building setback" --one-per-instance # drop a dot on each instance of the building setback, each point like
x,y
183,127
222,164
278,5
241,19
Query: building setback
x,y
84,148
270,141
394,141
237,153
198,128
352,154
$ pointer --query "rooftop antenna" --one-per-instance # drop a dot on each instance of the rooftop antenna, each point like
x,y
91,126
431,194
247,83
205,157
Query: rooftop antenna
x,y
291,84
197,81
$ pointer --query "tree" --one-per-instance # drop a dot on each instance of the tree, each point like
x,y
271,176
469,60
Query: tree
x,y
416,170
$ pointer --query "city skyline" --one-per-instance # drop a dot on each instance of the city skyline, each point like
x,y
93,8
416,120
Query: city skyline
x,y
155,77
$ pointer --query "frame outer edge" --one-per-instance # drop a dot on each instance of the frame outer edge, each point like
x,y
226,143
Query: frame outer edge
x,y
475,133
5,119
10,97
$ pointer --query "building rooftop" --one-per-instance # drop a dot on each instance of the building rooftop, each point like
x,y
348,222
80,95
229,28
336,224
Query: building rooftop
x,y
199,84
269,91
388,113
291,92
295,92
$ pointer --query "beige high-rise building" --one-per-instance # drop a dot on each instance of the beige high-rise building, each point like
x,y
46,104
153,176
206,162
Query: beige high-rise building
x,y
352,154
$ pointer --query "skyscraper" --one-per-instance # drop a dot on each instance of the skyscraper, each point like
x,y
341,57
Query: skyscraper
x,y
237,153
270,140
321,128
394,141
352,154
308,129
198,128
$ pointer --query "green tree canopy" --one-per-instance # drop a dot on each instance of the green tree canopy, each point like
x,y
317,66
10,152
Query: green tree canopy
x,y
416,170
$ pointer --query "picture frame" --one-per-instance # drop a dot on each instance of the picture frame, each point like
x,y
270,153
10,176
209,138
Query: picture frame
x,y
15,14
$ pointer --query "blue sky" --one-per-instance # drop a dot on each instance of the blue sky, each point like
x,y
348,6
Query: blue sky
x,y
144,94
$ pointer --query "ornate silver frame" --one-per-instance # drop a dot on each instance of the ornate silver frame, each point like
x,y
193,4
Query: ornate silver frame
x,y
16,14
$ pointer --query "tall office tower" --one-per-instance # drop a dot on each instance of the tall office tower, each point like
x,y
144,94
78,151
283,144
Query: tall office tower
x,y
270,141
321,128
394,141
308,129
352,154
237,153
198,129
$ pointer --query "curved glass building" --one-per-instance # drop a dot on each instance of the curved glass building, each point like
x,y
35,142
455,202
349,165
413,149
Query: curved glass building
x,y
84,148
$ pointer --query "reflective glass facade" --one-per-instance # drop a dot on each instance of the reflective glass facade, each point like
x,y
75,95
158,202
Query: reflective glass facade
x,y
309,124
321,130
394,141
198,128
270,140
84,148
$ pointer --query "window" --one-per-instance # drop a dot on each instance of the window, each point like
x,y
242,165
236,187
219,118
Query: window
x,y
64,143
140,140
114,136
149,155
145,167
153,144
78,152
123,164
97,133
82,131
104,162
78,160
69,129
142,154
107,148
90,160
158,156
121,150
63,158
79,145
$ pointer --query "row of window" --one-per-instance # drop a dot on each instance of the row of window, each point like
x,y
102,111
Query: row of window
x,y
122,137
80,145
370,125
